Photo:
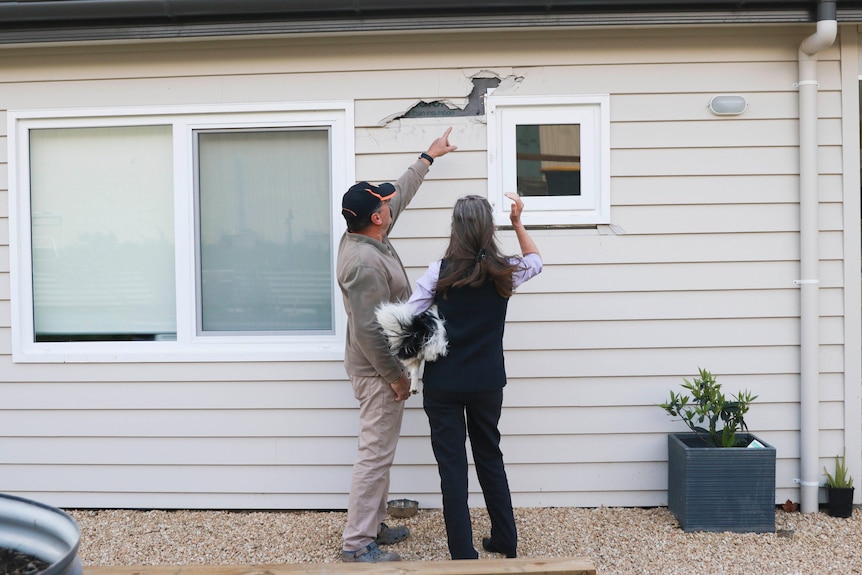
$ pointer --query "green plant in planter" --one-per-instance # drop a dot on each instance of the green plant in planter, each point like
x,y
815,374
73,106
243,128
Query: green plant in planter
x,y
841,479
707,408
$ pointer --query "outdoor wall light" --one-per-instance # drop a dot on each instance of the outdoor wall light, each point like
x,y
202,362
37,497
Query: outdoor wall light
x,y
727,105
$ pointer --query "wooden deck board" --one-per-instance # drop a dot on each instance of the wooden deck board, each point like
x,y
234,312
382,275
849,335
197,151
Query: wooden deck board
x,y
547,566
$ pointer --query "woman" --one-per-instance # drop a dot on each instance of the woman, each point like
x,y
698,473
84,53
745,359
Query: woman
x,y
463,390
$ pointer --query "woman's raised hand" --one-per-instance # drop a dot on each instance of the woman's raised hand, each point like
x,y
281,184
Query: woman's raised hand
x,y
517,208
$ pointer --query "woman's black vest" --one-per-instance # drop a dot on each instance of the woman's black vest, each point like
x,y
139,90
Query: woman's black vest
x,y
474,318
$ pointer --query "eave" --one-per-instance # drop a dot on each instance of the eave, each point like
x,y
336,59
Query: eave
x,y
50,21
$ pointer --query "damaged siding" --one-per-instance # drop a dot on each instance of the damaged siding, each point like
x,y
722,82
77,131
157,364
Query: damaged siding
x,y
697,271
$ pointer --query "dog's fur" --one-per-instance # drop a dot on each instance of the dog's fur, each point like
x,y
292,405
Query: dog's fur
x,y
413,338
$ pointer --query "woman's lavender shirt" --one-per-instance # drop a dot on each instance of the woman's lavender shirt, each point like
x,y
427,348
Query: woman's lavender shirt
x,y
426,286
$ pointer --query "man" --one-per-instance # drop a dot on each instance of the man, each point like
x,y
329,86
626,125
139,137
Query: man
x,y
369,273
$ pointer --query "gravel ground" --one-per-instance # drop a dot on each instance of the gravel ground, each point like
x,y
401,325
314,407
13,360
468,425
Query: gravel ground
x,y
620,541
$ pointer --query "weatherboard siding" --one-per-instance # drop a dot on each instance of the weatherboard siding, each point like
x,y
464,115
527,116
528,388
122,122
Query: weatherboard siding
x,y
698,271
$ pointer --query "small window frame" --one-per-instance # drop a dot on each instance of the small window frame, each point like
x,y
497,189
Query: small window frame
x,y
592,113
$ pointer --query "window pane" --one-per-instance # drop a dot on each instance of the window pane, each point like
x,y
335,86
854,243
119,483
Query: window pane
x,y
549,160
102,234
265,256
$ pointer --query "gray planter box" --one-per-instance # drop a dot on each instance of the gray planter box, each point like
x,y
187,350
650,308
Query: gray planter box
x,y
721,488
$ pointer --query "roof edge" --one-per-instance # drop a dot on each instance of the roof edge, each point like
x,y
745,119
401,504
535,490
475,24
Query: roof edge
x,y
64,21
204,30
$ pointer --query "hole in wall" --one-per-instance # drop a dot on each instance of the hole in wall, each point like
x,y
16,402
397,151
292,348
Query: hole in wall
x,y
475,103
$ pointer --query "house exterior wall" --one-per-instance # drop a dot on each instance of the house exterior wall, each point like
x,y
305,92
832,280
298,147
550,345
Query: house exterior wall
x,y
696,270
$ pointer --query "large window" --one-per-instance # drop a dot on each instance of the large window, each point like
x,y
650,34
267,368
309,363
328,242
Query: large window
x,y
178,236
554,152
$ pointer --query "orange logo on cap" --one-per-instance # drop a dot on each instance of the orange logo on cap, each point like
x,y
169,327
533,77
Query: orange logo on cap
x,y
378,196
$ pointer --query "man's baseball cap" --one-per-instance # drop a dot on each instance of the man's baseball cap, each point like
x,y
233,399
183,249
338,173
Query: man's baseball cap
x,y
363,199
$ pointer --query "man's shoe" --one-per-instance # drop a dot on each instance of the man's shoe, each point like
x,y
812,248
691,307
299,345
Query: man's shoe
x,y
371,553
489,545
388,535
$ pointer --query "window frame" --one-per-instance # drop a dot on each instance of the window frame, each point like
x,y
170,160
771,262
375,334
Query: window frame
x,y
592,113
336,116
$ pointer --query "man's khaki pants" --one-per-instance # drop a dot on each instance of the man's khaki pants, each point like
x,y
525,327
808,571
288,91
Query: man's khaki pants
x,y
379,427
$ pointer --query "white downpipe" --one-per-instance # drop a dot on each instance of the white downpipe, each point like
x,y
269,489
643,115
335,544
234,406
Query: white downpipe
x,y
809,229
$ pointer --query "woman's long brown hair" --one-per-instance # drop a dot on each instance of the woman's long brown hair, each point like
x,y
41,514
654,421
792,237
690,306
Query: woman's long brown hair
x,y
473,256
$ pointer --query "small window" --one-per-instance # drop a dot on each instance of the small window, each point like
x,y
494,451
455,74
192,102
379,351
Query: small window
x,y
555,153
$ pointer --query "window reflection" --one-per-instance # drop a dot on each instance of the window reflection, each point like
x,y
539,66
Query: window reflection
x,y
265,255
548,159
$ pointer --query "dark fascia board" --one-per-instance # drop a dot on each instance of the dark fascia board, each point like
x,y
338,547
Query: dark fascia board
x,y
58,11
47,21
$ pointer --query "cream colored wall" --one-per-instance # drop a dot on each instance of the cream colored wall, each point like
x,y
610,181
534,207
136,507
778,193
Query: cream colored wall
x,y
700,273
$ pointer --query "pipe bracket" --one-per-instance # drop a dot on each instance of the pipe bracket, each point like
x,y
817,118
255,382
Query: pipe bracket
x,y
805,282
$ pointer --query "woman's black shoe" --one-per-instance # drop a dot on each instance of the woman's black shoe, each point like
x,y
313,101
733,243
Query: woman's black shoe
x,y
489,545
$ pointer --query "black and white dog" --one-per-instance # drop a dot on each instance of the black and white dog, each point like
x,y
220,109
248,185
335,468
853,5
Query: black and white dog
x,y
413,338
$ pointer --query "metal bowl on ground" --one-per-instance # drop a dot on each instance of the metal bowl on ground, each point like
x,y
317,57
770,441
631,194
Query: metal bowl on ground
x,y
402,507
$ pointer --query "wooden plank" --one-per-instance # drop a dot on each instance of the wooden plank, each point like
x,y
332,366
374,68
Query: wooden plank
x,y
643,497
686,105
661,333
536,423
181,423
534,566
225,85
717,134
646,362
201,372
298,87
419,482
570,246
533,426
268,501
455,166
614,391
668,77
715,161
4,178
440,195
173,395
679,277
313,424
150,397
535,446
469,137
190,500
398,51
654,306
211,451
675,361
715,189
